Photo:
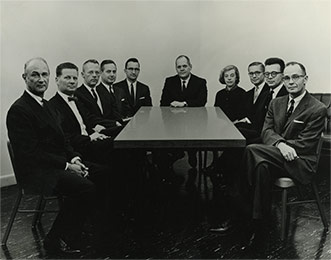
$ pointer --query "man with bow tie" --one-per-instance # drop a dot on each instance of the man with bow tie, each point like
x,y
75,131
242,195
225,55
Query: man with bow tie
x,y
290,136
87,133
47,163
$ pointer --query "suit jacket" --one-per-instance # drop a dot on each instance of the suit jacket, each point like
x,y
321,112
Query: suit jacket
x,y
231,102
195,94
282,91
70,124
302,131
38,142
143,97
109,103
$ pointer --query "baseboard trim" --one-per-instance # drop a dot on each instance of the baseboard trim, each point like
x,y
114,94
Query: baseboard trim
x,y
7,180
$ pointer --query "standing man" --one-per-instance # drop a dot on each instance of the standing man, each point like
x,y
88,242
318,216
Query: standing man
x,y
185,89
290,137
45,160
106,92
136,94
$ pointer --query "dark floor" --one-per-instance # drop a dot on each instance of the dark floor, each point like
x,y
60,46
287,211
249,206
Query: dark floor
x,y
176,220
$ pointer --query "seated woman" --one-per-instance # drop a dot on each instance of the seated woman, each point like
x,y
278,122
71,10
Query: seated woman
x,y
230,99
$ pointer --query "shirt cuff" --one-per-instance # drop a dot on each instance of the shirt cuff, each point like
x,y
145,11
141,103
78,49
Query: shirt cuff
x,y
75,158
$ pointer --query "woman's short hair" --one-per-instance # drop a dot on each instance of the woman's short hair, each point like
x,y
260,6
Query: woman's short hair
x,y
227,68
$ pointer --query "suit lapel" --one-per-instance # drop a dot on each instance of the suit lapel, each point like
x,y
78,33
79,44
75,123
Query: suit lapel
x,y
299,109
43,113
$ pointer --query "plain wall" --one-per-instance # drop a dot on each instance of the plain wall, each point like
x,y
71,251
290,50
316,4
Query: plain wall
x,y
212,33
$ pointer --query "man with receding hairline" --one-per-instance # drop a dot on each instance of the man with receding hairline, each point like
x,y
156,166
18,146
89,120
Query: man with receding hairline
x,y
46,163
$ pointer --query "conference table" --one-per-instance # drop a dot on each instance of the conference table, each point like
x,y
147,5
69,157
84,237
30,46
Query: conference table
x,y
202,128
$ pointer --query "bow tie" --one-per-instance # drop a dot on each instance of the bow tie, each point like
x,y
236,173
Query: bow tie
x,y
72,99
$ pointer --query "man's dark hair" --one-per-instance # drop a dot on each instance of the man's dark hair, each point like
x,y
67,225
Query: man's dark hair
x,y
278,61
65,65
257,63
131,60
105,62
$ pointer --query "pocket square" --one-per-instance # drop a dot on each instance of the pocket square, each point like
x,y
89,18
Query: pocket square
x,y
298,121
123,99
142,98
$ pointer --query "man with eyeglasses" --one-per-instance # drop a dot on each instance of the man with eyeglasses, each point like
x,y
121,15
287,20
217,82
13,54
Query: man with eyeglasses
x,y
290,136
256,101
274,68
136,94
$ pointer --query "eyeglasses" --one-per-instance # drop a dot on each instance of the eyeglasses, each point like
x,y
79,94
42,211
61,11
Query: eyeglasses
x,y
272,74
256,73
133,69
294,77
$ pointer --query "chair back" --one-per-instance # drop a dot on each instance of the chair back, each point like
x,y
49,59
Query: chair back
x,y
12,159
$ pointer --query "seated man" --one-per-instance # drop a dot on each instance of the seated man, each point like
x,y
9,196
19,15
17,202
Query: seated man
x,y
290,136
132,94
181,90
47,162
85,131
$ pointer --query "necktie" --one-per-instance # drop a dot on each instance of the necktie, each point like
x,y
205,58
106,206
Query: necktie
x,y
183,85
132,94
256,90
290,110
72,99
269,98
94,94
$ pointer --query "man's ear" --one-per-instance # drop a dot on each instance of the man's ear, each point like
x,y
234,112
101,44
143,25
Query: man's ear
x,y
24,76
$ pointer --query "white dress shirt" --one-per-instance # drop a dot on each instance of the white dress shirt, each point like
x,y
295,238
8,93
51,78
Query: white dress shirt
x,y
75,110
99,100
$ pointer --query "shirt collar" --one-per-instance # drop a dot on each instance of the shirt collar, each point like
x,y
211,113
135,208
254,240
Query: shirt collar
x,y
64,96
186,80
298,98
35,97
129,83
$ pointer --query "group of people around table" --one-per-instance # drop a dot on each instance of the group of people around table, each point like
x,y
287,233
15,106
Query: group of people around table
x,y
64,146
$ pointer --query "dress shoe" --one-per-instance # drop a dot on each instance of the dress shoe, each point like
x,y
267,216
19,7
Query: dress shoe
x,y
225,228
58,245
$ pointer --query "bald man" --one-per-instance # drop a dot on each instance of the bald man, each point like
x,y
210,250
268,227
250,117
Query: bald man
x,y
46,163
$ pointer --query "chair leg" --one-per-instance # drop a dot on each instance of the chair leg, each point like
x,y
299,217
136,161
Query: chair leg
x,y
319,205
205,159
40,206
283,218
12,218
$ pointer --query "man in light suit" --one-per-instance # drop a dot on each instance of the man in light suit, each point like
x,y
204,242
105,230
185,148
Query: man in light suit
x,y
184,90
290,136
46,162
136,94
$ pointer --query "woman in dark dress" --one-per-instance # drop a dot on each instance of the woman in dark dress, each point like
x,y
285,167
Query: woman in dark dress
x,y
231,99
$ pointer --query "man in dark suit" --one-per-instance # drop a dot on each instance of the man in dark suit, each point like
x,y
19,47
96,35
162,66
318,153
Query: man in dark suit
x,y
87,133
106,92
46,161
136,94
290,136
181,90
226,170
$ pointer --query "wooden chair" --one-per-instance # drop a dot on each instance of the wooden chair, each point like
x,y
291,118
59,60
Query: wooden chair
x,y
287,183
41,203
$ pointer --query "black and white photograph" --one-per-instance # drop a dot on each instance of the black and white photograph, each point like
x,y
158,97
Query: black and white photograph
x,y
165,129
